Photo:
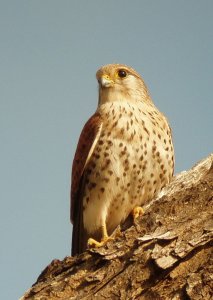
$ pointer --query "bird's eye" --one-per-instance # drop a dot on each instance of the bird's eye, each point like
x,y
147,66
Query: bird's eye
x,y
122,73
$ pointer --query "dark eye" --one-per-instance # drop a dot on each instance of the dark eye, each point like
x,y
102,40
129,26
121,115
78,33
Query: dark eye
x,y
122,73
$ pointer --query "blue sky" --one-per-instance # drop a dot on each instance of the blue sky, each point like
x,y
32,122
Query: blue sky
x,y
50,51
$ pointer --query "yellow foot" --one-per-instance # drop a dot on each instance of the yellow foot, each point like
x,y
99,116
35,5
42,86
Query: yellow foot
x,y
137,212
95,244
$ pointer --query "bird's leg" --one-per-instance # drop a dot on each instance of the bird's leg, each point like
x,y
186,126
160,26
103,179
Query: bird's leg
x,y
137,212
95,244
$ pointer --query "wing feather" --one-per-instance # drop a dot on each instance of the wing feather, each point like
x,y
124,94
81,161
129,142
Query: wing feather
x,y
87,141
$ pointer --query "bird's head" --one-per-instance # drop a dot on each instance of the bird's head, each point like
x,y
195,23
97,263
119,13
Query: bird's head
x,y
120,83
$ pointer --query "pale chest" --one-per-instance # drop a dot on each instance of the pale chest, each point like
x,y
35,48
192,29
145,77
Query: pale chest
x,y
132,160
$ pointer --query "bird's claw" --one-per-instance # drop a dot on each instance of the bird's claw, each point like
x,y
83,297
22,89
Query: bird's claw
x,y
92,243
137,212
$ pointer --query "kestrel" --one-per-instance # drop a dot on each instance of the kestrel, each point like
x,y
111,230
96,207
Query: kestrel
x,y
123,159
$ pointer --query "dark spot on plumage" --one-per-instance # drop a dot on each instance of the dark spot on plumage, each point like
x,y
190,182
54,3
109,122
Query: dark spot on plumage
x,y
115,124
134,166
141,158
152,175
154,148
126,161
136,120
131,137
87,199
147,131
106,179
122,153
106,154
110,172
159,136
108,161
145,152
102,189
124,174
100,142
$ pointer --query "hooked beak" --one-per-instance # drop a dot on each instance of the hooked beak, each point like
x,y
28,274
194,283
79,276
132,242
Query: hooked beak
x,y
106,81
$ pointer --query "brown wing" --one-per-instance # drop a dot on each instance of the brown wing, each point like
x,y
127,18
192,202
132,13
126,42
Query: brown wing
x,y
87,141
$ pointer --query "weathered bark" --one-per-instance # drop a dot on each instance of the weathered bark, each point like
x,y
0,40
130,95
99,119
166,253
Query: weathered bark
x,y
167,254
